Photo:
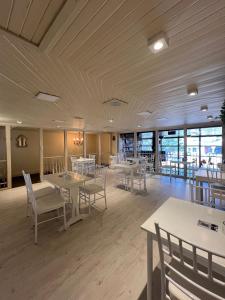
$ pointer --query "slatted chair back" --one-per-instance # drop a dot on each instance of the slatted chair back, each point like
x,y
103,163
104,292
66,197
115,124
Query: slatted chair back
x,y
101,177
205,195
174,248
30,191
215,176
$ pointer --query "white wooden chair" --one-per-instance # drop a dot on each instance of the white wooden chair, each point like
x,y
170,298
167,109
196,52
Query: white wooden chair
x,y
205,195
44,205
139,176
184,273
90,193
38,193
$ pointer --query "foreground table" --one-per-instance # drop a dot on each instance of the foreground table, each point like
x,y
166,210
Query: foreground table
x,y
180,218
70,182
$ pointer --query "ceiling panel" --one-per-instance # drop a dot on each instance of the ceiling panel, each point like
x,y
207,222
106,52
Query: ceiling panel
x,y
91,51
29,19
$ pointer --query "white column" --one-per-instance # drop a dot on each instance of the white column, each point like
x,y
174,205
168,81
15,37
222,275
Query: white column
x,y
135,144
41,155
65,151
8,155
85,144
185,151
99,149
156,151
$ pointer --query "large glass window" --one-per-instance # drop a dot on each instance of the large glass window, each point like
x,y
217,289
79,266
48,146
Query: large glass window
x,y
145,143
171,147
204,145
127,144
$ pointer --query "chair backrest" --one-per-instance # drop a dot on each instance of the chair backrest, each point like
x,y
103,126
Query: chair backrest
x,y
92,156
100,177
205,195
215,175
174,248
30,192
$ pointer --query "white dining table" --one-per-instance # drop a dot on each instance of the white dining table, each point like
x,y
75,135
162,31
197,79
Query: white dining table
x,y
131,168
181,217
71,182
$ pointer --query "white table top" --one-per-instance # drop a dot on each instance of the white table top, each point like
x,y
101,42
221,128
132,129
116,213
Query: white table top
x,y
84,160
65,181
125,166
181,217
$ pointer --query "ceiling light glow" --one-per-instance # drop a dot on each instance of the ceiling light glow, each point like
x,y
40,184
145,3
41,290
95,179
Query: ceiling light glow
x,y
19,122
158,43
204,108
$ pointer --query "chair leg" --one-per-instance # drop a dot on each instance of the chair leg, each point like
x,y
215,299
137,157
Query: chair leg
x,y
105,200
64,216
89,207
35,229
28,208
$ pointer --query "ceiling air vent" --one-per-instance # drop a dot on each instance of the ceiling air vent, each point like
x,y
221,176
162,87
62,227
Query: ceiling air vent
x,y
115,102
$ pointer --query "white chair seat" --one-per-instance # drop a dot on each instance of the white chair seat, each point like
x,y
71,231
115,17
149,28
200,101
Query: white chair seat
x,y
91,188
49,202
44,191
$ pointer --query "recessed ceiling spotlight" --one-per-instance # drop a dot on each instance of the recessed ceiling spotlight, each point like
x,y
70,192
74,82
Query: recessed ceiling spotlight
x,y
192,90
144,113
111,120
204,108
58,126
19,122
161,119
210,117
47,97
139,126
158,43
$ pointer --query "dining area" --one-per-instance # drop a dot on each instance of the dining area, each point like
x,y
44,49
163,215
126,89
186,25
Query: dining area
x,y
112,150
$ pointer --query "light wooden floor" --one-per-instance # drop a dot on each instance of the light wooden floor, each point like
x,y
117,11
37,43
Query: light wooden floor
x,y
103,257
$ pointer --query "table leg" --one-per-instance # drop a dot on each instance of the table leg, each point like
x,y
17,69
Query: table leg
x,y
145,188
132,181
75,207
149,265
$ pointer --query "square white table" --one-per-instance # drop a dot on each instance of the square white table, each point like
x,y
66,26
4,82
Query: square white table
x,y
180,217
70,182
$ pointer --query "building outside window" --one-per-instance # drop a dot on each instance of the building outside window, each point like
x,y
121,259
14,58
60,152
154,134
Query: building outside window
x,y
146,143
204,145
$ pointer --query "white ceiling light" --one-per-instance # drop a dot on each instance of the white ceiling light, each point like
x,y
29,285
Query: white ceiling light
x,y
204,108
144,113
58,121
161,119
158,43
139,126
115,102
111,120
19,122
210,117
47,97
192,91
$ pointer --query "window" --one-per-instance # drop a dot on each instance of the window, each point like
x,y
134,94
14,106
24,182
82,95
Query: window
x,y
145,143
171,147
127,144
204,145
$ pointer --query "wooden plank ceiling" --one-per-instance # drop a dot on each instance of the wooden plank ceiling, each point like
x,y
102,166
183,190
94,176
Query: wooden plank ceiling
x,y
88,52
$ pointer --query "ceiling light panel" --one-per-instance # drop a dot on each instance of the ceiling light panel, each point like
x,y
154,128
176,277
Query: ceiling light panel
x,y
47,97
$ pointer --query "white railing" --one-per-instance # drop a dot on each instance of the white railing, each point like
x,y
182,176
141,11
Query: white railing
x,y
54,164
3,173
